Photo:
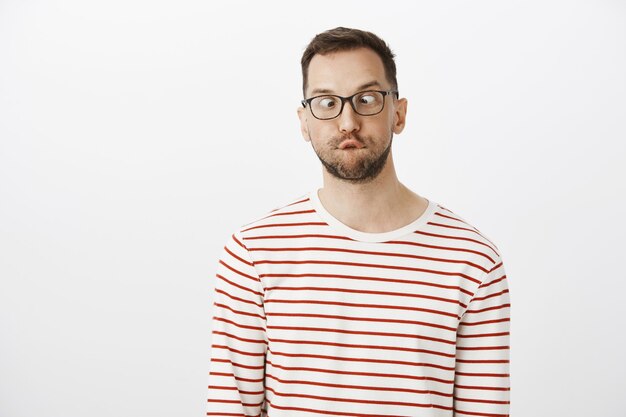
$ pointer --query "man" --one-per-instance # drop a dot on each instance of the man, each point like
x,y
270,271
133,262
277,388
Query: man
x,y
361,298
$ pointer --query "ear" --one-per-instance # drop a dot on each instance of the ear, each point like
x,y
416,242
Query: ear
x,y
399,115
304,128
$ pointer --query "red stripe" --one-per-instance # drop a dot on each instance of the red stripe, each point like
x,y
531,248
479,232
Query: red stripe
x,y
360,264
239,351
367,360
372,374
495,281
297,236
457,218
358,387
238,272
357,291
483,375
391,242
271,213
219,291
467,239
361,332
241,287
369,278
479,323
448,226
364,252
235,389
243,339
239,365
481,361
337,413
484,334
483,348
237,324
353,400
440,214
238,242
245,313
346,345
320,302
465,223
482,310
237,257
238,378
263,226
482,388
365,319
471,413
290,213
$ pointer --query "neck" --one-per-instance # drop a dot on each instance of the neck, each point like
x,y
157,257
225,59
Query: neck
x,y
379,206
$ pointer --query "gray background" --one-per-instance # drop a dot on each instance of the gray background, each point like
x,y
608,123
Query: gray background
x,y
135,136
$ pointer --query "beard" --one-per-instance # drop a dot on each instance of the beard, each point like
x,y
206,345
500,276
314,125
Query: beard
x,y
355,169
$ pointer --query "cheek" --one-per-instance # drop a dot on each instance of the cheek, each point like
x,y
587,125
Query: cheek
x,y
377,128
319,132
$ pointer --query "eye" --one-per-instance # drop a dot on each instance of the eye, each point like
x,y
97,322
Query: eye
x,y
367,98
327,102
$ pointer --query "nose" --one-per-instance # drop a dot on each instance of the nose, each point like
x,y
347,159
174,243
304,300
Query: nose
x,y
348,120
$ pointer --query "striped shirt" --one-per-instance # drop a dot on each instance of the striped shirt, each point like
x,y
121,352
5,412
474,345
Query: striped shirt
x,y
314,318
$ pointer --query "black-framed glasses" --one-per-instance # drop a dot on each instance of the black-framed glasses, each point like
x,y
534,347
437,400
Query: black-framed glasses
x,y
365,103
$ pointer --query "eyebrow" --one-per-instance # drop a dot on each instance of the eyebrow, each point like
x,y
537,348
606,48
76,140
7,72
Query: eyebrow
x,y
359,88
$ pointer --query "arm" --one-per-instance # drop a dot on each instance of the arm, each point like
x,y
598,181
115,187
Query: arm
x,y
239,342
482,381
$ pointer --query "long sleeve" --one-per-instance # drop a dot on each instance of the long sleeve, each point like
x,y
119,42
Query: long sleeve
x,y
482,380
239,340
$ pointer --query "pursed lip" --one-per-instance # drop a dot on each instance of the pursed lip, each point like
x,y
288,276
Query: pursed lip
x,y
350,143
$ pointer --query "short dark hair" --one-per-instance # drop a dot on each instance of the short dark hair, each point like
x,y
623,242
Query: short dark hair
x,y
343,39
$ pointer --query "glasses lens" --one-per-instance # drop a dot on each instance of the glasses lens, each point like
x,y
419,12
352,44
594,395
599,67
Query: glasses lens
x,y
368,102
326,107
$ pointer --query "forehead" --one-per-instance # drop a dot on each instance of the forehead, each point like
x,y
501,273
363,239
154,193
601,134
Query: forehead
x,y
344,71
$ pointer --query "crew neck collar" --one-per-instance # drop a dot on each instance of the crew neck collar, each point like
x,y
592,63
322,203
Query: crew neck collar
x,y
354,234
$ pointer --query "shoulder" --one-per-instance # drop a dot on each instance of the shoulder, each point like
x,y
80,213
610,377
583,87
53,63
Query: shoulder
x,y
291,211
463,234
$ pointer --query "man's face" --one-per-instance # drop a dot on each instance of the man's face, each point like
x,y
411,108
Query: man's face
x,y
345,73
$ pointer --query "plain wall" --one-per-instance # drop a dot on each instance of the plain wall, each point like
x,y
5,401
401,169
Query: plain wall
x,y
135,136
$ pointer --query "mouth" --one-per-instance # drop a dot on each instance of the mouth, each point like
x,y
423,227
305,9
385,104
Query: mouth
x,y
350,144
